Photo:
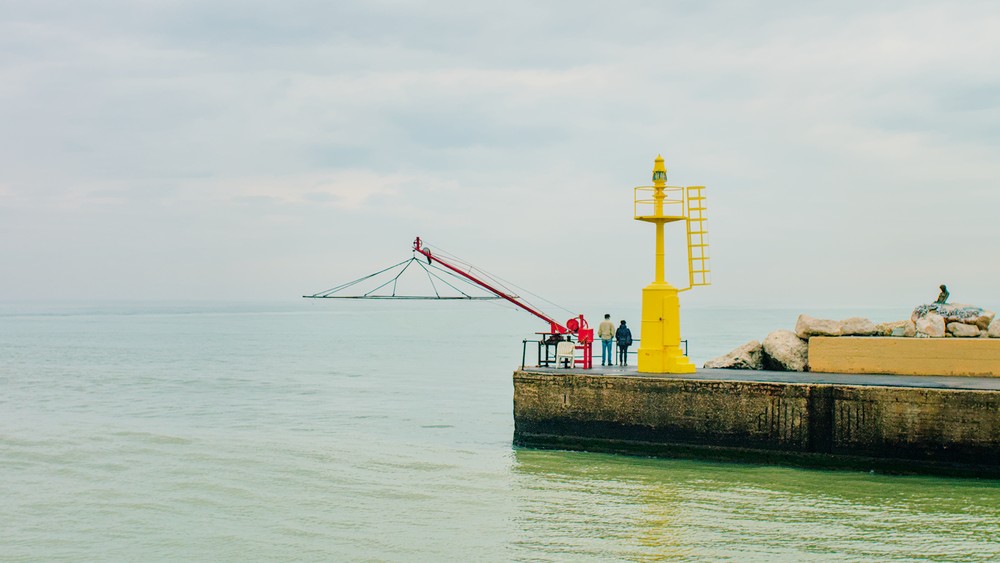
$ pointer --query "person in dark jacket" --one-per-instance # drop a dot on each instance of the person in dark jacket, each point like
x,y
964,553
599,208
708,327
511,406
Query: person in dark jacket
x,y
624,337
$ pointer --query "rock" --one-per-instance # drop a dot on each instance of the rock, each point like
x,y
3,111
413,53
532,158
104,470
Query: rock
x,y
955,313
807,326
985,319
857,326
747,356
963,330
784,351
896,328
932,325
994,329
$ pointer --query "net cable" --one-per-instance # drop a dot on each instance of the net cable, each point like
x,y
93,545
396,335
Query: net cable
x,y
433,273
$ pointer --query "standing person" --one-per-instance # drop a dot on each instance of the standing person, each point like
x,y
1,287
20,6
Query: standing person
x,y
606,332
624,337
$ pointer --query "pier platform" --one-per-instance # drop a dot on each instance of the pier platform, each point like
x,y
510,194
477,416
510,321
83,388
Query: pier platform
x,y
894,423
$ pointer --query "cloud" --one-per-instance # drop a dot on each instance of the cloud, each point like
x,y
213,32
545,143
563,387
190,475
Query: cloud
x,y
826,134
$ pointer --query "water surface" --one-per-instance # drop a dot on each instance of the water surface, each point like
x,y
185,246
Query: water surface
x,y
382,431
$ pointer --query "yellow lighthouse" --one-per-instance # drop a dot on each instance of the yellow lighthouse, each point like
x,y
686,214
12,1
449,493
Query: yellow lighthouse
x,y
659,349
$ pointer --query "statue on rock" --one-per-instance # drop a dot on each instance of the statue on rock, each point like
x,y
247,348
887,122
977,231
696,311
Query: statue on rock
x,y
943,296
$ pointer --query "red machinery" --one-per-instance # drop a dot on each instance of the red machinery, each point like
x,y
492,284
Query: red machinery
x,y
577,325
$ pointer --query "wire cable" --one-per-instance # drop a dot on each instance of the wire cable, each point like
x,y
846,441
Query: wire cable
x,y
350,283
330,293
499,281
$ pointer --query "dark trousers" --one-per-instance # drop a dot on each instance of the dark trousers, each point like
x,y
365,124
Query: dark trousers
x,y
622,355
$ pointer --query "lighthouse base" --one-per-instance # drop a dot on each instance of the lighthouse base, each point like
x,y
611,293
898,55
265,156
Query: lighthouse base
x,y
666,360
660,346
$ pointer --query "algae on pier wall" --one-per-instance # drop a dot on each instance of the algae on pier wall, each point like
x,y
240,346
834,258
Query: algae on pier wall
x,y
952,431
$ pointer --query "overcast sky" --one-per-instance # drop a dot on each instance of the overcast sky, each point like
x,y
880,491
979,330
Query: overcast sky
x,y
262,149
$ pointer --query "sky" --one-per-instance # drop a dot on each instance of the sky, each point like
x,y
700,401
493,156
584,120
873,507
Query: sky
x,y
252,150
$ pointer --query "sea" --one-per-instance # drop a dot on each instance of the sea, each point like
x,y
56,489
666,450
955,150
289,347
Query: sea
x,y
340,430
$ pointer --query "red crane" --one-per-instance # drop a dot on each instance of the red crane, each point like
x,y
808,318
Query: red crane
x,y
577,325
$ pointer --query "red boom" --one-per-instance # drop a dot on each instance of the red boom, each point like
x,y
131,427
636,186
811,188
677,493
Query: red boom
x,y
577,325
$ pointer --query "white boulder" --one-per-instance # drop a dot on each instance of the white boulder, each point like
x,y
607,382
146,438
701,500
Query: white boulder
x,y
807,326
747,356
784,351
963,330
986,319
994,328
931,325
857,326
896,328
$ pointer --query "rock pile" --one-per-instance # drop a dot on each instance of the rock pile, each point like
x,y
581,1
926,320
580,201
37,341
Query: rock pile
x,y
784,350
937,320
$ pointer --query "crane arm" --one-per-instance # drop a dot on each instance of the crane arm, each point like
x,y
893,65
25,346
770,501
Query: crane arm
x,y
556,327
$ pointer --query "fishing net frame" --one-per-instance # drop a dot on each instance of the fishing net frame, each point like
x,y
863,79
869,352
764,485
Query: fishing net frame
x,y
433,273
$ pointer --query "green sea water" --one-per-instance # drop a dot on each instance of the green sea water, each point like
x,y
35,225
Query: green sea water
x,y
341,431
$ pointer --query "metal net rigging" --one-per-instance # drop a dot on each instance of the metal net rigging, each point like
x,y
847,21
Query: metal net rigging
x,y
443,276
395,282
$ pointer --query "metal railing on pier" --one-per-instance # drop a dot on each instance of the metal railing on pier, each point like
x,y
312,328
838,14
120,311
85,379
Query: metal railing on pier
x,y
546,351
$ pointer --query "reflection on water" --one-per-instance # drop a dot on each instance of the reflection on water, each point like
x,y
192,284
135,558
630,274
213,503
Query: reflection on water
x,y
638,508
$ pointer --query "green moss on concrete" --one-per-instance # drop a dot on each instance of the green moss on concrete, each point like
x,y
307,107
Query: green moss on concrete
x,y
955,432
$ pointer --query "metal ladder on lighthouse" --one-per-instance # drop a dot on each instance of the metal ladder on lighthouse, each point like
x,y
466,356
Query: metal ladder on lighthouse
x,y
699,269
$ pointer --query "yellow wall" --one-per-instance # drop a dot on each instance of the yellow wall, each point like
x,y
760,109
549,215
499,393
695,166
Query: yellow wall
x,y
905,356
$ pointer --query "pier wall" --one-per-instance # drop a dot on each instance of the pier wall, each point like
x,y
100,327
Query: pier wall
x,y
897,429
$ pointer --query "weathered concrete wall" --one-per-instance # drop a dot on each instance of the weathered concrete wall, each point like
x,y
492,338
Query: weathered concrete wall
x,y
906,356
949,431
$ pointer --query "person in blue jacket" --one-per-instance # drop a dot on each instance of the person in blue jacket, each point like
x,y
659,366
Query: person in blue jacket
x,y
624,337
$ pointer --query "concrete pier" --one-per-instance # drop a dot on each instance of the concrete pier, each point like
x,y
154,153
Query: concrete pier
x,y
893,423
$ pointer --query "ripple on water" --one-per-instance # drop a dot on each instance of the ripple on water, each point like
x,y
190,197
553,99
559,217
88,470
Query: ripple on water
x,y
244,434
